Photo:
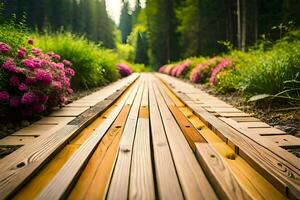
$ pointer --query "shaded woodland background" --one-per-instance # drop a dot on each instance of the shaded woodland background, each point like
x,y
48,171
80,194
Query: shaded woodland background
x,y
165,30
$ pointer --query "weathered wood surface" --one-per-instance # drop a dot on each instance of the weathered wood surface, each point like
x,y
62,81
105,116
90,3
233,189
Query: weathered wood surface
x,y
166,178
60,185
219,173
275,163
193,181
141,173
118,188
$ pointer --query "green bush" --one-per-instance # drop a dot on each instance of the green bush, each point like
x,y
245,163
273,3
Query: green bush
x,y
94,66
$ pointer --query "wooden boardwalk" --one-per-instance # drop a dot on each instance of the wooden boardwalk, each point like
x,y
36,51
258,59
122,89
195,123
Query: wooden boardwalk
x,y
150,137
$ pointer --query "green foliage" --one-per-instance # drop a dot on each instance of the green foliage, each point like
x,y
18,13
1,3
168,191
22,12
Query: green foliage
x,y
137,67
14,33
139,40
125,52
88,17
162,25
94,66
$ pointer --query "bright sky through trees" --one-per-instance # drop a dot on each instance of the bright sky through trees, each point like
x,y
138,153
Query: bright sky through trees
x,y
114,8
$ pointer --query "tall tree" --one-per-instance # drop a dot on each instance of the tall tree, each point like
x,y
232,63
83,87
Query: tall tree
x,y
162,24
125,21
136,12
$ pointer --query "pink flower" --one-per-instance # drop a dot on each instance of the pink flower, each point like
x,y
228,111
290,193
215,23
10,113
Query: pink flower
x,y
30,41
67,63
70,71
29,98
9,65
124,70
4,96
43,76
30,80
56,85
70,91
4,48
36,51
38,108
14,102
54,55
162,69
29,63
14,81
224,63
23,87
21,54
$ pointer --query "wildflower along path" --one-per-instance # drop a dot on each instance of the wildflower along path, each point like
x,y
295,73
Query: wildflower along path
x,y
151,136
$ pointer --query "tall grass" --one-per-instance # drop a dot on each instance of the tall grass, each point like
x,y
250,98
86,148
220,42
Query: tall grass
x,y
94,65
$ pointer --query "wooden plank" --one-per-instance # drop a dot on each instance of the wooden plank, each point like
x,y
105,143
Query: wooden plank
x,y
245,119
141,176
61,184
263,131
16,140
284,140
18,167
274,168
193,181
237,114
68,112
166,178
96,175
219,173
44,176
119,185
99,168
54,120
35,130
258,188
190,132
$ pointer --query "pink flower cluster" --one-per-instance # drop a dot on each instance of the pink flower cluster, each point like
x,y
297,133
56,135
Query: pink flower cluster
x,y
202,71
176,70
36,80
206,71
225,62
124,69
4,48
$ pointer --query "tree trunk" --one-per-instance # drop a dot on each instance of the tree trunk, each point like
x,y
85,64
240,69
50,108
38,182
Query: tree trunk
x,y
239,43
244,24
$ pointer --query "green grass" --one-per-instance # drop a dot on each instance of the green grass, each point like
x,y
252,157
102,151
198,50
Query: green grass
x,y
94,66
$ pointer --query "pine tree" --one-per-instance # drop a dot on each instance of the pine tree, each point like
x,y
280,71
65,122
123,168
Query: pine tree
x,y
125,21
141,51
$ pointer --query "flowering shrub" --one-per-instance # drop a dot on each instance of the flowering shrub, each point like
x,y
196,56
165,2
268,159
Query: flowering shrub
x,y
124,69
224,63
176,70
35,80
202,71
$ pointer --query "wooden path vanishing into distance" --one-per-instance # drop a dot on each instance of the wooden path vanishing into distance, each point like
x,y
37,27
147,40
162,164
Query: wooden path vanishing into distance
x,y
150,136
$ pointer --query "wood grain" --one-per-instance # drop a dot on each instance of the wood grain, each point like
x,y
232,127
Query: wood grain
x,y
141,176
219,173
119,185
61,184
168,185
275,164
193,181
258,187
